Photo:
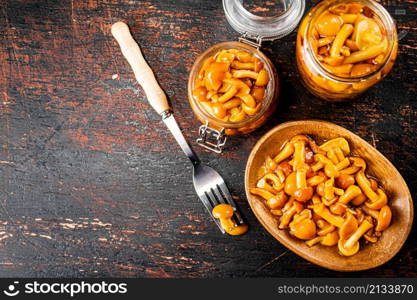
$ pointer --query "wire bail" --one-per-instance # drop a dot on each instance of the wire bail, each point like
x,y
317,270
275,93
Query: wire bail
x,y
211,139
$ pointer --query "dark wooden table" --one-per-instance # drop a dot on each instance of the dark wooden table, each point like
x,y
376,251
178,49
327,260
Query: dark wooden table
x,y
92,184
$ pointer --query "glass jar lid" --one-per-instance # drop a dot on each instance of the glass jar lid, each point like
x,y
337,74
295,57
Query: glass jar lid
x,y
269,21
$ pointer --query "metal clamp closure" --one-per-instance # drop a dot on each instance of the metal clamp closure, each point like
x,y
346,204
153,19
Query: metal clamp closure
x,y
250,40
211,139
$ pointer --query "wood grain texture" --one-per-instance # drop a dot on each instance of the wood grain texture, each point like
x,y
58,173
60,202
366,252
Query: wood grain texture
x,y
91,184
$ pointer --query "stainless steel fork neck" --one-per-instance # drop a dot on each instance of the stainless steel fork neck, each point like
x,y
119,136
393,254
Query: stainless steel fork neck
x,y
166,114
179,137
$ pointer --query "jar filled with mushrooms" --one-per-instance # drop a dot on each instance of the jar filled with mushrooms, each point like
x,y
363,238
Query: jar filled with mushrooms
x,y
345,47
233,87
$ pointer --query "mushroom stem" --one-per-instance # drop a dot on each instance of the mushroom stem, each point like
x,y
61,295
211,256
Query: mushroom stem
x,y
329,189
315,180
286,152
349,170
384,218
339,153
263,193
277,184
300,178
371,212
287,216
351,192
340,143
350,225
343,164
329,166
302,226
380,202
299,154
224,212
262,184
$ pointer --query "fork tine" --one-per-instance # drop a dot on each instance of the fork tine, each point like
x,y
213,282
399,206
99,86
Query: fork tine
x,y
229,200
209,207
218,194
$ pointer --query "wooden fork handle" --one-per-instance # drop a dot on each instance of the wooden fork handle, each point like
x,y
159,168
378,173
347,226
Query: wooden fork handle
x,y
143,73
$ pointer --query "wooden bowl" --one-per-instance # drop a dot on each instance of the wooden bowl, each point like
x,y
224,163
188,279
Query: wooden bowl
x,y
400,201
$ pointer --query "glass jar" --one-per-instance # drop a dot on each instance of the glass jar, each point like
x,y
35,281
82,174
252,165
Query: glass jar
x,y
330,83
253,29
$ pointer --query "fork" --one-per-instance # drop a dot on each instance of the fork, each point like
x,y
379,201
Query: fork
x,y
209,185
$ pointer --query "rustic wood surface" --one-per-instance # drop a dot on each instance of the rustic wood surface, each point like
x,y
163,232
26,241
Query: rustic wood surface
x,y
92,183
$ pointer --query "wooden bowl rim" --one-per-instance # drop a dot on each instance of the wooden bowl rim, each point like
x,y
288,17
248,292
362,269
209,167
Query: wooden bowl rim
x,y
289,245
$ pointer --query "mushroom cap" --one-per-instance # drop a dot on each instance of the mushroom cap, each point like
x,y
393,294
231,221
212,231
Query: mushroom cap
x,y
238,230
329,24
330,239
263,78
304,229
366,28
223,211
370,238
338,208
200,93
303,194
239,84
341,143
278,201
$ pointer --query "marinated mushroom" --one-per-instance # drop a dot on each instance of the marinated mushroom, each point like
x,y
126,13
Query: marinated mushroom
x,y
225,212
321,210
324,227
302,192
329,239
350,193
329,166
345,180
349,226
383,217
273,201
377,199
350,246
322,195
286,152
289,212
302,226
